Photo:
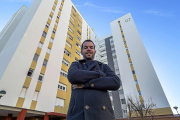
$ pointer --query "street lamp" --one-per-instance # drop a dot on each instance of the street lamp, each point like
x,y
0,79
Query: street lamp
x,y
2,93
175,107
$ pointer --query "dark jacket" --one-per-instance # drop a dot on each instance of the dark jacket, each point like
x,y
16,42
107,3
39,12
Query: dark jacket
x,y
91,102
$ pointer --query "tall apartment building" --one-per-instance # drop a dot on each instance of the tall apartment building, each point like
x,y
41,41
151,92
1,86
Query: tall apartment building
x,y
37,52
36,57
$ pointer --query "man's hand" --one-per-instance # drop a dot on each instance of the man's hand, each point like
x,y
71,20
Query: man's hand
x,y
76,86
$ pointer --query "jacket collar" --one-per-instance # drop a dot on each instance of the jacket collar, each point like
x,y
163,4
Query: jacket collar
x,y
92,65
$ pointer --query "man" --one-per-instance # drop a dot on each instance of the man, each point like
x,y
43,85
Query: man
x,y
90,81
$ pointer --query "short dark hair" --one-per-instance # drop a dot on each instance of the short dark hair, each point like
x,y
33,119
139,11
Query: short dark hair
x,y
87,41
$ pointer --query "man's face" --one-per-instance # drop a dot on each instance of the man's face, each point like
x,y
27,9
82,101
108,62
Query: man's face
x,y
88,51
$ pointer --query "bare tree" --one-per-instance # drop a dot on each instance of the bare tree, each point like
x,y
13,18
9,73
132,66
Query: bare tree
x,y
140,109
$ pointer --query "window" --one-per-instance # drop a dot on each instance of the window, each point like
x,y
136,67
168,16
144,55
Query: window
x,y
80,21
78,38
123,101
121,92
62,87
47,25
139,92
54,31
36,56
123,36
68,44
73,8
72,18
56,23
79,26
113,51
40,45
77,52
58,17
51,40
133,72
71,23
23,92
45,62
65,62
30,73
79,32
136,81
50,17
76,59
48,50
67,53
73,13
128,55
69,36
63,73
71,30
35,96
44,34
125,111
77,44
41,76
60,102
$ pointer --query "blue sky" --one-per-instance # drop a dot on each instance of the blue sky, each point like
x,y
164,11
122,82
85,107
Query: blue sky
x,y
158,23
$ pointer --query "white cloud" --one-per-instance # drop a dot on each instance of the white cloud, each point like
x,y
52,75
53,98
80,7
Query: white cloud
x,y
104,9
160,13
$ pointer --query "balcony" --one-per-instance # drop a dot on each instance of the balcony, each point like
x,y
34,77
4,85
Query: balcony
x,y
101,59
102,48
102,53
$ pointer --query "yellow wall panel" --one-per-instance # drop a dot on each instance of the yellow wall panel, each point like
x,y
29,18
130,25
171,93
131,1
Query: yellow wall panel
x,y
63,80
119,23
124,40
54,8
42,39
69,40
125,45
47,56
130,59
59,13
68,48
80,20
50,45
33,65
51,14
33,105
80,25
46,29
80,30
127,51
72,21
77,56
55,2
79,35
134,75
78,49
38,51
43,70
38,86
121,28
61,8
122,33
59,109
137,87
141,99
49,21
70,33
67,57
57,20
71,26
61,94
20,102
27,82
64,67
62,3
55,27
132,68
73,10
163,111
53,35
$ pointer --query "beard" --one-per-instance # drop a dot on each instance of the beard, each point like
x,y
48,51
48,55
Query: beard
x,y
87,57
